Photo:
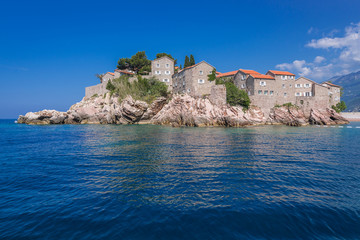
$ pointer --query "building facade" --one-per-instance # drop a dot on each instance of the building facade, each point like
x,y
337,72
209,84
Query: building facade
x,y
193,80
163,69
241,76
334,92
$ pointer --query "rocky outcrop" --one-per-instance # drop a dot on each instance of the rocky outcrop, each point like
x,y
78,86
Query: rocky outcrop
x,y
181,110
188,111
291,116
98,110
326,117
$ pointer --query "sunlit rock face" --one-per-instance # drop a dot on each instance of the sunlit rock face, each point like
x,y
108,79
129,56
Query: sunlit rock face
x,y
180,110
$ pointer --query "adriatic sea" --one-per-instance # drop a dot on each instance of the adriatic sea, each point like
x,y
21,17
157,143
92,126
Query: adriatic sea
x,y
156,182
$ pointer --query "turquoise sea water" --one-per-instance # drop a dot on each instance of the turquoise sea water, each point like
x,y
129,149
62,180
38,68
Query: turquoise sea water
x,y
154,182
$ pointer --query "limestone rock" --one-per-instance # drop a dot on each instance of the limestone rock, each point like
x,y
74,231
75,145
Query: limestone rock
x,y
326,117
291,116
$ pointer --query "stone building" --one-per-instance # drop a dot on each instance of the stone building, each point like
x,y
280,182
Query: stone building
x,y
107,76
228,76
285,90
163,69
118,73
334,92
310,95
262,90
241,76
194,80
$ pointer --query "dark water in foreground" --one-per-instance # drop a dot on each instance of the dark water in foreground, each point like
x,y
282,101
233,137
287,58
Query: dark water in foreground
x,y
152,182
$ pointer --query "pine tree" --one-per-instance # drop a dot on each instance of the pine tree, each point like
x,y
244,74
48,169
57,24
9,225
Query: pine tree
x,y
187,62
192,60
180,67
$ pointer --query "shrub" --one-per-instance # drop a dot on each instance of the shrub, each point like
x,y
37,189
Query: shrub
x,y
110,86
235,96
141,89
95,95
339,107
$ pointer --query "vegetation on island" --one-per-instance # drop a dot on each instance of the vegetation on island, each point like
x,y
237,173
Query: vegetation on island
x,y
288,105
137,63
339,107
140,89
189,61
234,95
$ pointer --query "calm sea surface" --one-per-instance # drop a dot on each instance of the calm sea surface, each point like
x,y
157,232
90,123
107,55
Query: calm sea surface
x,y
153,182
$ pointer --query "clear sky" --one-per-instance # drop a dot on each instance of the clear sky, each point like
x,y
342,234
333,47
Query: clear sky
x,y
51,50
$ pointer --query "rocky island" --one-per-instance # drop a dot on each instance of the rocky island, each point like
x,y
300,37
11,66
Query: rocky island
x,y
197,95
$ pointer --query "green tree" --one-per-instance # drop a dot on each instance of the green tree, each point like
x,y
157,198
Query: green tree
x,y
180,67
212,75
235,96
339,107
159,55
192,60
187,62
137,63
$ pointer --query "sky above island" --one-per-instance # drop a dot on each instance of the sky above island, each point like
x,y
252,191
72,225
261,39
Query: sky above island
x,y
51,50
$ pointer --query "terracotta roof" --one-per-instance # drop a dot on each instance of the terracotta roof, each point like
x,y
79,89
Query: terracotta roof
x,y
110,73
261,76
176,67
249,71
217,73
281,72
227,74
331,84
123,71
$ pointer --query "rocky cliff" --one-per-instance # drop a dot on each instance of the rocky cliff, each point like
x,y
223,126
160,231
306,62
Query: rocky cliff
x,y
181,110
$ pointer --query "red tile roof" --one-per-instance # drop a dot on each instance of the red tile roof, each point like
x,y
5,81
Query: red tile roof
x,y
261,76
281,72
227,74
217,73
123,71
110,73
249,71
331,84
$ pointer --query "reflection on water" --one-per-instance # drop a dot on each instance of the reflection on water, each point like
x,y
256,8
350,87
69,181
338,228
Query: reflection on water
x,y
156,182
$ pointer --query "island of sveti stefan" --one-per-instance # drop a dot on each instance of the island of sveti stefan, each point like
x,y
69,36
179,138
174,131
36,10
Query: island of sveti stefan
x,y
143,91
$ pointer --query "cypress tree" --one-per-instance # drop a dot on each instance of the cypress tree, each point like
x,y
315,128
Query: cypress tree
x,y
192,60
187,62
180,67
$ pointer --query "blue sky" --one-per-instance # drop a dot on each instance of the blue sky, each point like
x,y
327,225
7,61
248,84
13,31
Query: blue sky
x,y
51,50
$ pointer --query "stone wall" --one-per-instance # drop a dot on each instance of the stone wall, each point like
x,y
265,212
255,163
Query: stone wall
x,y
218,95
99,89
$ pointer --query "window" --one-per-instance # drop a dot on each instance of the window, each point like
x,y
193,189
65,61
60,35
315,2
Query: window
x,y
308,94
298,85
166,80
183,83
260,92
283,77
201,72
243,77
290,85
210,72
158,72
188,90
242,85
167,72
175,84
283,86
291,77
158,65
336,98
307,85
201,81
298,94
301,102
167,65
266,92
262,83
271,92
285,94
